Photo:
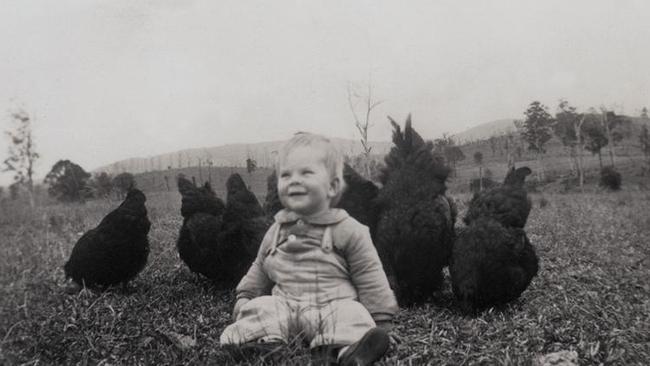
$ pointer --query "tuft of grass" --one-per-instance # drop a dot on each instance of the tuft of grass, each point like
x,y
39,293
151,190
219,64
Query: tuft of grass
x,y
543,202
592,296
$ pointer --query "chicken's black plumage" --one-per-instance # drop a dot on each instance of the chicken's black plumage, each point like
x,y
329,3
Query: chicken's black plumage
x,y
415,229
493,261
359,197
507,203
198,241
243,228
116,250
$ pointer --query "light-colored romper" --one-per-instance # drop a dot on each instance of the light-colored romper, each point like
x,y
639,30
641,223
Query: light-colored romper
x,y
326,283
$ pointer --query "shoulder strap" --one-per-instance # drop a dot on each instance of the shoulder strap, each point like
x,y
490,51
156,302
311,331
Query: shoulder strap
x,y
326,243
274,241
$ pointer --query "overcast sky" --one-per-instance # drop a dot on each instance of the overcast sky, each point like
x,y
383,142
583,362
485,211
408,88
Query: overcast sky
x,y
108,80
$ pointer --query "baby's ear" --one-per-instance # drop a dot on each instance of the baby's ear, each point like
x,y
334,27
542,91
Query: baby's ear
x,y
336,187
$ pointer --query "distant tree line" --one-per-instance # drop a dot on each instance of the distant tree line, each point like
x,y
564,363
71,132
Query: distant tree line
x,y
69,182
590,131
597,131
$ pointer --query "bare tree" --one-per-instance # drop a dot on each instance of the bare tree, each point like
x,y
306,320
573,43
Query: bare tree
x,y
362,123
611,123
22,153
577,126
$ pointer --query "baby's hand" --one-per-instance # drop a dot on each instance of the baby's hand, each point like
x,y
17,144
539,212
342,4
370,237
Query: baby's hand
x,y
238,305
386,325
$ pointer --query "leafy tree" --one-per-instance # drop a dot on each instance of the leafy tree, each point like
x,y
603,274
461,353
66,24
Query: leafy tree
x,y
22,153
446,146
595,137
616,127
563,127
123,182
537,131
644,113
67,181
568,127
101,185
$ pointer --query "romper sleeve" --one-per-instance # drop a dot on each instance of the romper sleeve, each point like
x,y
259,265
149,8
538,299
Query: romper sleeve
x,y
256,282
368,275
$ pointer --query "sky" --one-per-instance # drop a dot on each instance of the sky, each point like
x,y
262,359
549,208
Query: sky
x,y
109,80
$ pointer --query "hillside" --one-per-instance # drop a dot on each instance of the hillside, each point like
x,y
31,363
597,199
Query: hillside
x,y
233,155
485,130
227,158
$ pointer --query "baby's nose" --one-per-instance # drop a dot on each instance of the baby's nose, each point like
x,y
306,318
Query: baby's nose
x,y
295,179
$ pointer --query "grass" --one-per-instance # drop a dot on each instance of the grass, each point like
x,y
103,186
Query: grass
x,y
592,295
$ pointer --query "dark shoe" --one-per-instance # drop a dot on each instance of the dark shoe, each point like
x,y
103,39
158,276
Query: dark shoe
x,y
367,350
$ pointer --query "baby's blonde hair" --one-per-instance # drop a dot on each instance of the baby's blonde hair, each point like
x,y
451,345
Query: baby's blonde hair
x,y
333,159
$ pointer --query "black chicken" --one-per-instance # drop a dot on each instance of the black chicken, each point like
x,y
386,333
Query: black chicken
x,y
493,261
359,197
116,250
244,225
415,229
198,241
507,203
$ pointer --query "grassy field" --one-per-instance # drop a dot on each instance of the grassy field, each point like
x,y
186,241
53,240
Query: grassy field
x,y
592,295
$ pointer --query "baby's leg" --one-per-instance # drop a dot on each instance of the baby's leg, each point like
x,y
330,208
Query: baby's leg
x,y
338,323
263,318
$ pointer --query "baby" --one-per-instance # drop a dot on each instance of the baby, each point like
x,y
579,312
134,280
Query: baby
x,y
317,272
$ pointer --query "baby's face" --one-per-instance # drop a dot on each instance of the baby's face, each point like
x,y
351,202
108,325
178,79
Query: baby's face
x,y
304,183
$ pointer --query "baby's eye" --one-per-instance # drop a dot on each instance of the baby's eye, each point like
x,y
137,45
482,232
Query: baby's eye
x,y
284,175
308,172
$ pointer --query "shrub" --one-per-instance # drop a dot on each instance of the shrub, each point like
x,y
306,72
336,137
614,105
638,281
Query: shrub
x,y
543,202
123,182
610,178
